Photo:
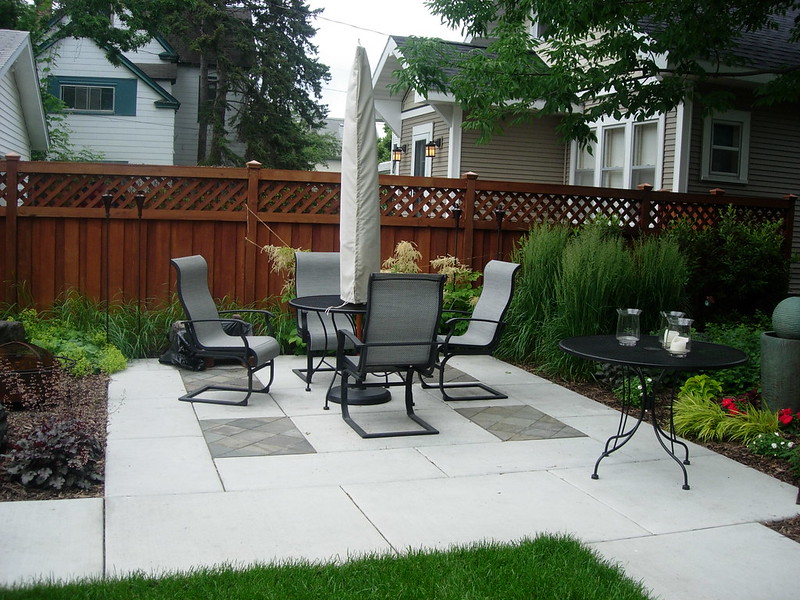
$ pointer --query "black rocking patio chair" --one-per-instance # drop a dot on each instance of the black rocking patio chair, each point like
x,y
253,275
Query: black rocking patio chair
x,y
484,329
398,336
205,332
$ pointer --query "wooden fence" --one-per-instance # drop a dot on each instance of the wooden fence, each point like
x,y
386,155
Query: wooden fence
x,y
58,233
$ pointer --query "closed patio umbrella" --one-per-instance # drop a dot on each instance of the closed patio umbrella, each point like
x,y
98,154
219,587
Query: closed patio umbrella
x,y
359,219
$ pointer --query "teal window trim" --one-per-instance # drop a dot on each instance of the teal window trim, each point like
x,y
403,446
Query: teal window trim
x,y
124,92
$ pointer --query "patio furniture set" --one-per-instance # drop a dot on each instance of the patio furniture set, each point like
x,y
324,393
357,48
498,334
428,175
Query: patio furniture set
x,y
396,332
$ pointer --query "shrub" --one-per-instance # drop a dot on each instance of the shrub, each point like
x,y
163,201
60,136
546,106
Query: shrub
x,y
772,444
746,336
58,453
737,267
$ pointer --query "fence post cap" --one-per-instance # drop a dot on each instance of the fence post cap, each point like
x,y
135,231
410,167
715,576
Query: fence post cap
x,y
470,175
12,156
717,192
791,197
253,164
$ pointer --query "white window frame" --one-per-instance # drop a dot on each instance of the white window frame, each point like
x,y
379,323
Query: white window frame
x,y
627,171
420,133
738,117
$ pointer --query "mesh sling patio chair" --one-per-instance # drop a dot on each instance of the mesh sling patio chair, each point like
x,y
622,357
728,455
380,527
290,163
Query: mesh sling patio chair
x,y
317,274
398,336
484,329
205,330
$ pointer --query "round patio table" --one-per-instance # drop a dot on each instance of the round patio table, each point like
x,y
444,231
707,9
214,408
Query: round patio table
x,y
648,354
358,394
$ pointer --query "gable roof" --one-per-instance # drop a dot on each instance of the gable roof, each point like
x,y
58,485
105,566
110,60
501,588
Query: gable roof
x,y
16,55
167,100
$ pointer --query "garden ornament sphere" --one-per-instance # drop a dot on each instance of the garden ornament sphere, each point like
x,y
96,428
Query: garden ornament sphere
x,y
786,318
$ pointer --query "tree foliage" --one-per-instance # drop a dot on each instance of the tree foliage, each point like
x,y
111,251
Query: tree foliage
x,y
268,79
621,59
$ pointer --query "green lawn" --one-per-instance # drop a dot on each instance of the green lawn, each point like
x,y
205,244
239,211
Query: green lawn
x,y
557,568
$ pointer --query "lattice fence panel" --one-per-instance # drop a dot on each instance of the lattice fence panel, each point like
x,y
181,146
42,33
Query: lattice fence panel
x,y
420,202
299,197
165,193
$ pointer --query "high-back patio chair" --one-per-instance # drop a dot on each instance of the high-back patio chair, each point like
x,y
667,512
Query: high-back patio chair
x,y
398,336
484,329
317,274
205,330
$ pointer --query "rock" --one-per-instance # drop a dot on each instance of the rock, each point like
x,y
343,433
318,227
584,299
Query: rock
x,y
11,331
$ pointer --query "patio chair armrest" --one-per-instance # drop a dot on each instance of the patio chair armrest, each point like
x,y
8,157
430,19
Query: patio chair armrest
x,y
454,321
268,316
189,323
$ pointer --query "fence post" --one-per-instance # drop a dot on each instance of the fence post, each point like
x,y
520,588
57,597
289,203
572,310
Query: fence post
x,y
644,208
469,217
12,192
251,232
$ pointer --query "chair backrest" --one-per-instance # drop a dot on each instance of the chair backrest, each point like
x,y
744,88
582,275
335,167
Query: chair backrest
x,y
495,298
403,308
316,273
196,298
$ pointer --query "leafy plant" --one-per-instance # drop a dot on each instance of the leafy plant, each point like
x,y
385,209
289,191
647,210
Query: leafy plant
x,y
701,386
630,390
86,346
772,444
57,454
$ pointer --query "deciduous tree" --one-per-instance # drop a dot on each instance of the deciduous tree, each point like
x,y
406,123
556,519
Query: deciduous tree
x,y
594,58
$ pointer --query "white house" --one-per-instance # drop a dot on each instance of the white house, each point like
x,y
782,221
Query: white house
x,y
23,128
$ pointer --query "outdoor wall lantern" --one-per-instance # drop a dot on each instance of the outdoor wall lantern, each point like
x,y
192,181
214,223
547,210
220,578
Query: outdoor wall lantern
x,y
430,147
397,153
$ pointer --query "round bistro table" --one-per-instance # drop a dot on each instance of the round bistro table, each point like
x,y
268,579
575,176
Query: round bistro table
x,y
648,354
358,394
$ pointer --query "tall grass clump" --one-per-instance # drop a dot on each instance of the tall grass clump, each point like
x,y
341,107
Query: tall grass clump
x,y
573,281
534,302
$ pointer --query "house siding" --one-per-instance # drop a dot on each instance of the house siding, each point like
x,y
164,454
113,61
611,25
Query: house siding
x,y
668,164
13,134
774,156
528,152
146,138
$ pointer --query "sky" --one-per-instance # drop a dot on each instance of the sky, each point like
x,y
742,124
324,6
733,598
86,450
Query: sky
x,y
345,23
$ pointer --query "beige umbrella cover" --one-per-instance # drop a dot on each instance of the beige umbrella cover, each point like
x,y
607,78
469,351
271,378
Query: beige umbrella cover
x,y
359,219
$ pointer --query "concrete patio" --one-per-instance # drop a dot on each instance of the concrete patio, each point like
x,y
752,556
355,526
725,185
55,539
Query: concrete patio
x,y
192,485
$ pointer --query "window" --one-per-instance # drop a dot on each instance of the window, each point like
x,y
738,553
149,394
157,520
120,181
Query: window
x,y
726,142
584,169
95,95
88,98
645,153
613,157
625,155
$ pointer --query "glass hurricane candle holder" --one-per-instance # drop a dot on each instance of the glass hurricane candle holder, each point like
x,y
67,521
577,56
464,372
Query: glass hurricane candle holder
x,y
680,337
628,326
667,331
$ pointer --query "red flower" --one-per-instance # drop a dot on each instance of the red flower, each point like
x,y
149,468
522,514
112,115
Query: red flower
x,y
785,415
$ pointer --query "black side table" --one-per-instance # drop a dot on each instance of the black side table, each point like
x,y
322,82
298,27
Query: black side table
x,y
648,354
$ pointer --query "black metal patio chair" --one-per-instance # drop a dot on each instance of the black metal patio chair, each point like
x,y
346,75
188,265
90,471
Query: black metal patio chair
x,y
398,336
205,330
484,329
317,274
